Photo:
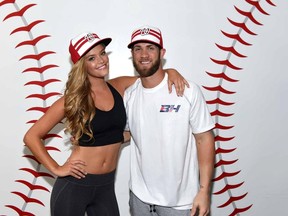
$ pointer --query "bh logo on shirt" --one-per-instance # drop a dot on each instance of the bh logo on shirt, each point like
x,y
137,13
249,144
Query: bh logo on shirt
x,y
170,108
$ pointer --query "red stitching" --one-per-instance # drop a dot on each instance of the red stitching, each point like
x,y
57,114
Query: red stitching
x,y
221,164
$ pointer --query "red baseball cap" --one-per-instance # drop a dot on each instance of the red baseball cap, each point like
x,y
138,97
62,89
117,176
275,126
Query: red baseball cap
x,y
148,34
81,44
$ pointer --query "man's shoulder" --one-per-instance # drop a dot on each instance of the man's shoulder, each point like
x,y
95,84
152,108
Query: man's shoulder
x,y
133,87
193,86
193,92
132,90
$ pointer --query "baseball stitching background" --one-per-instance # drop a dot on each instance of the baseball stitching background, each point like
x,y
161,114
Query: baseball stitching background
x,y
236,50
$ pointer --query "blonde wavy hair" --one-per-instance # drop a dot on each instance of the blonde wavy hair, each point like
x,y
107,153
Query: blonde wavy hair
x,y
78,104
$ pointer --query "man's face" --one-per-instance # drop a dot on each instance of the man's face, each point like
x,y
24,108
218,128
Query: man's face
x,y
146,58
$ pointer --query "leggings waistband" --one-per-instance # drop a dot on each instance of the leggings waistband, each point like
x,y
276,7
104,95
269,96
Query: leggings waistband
x,y
93,179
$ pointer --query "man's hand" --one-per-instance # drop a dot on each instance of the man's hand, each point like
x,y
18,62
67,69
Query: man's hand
x,y
201,204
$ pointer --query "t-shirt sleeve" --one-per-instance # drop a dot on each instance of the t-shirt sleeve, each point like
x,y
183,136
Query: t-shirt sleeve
x,y
125,100
200,117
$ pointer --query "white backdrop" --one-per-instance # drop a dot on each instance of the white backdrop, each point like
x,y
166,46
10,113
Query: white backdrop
x,y
236,50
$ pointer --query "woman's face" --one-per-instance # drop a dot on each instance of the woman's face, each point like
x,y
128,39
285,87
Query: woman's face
x,y
97,62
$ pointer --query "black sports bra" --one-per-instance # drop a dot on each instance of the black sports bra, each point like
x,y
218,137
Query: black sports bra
x,y
107,126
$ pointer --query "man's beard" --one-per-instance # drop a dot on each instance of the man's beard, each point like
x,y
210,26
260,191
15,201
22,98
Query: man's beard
x,y
146,72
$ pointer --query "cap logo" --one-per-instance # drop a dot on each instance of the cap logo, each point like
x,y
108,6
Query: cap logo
x,y
90,37
145,31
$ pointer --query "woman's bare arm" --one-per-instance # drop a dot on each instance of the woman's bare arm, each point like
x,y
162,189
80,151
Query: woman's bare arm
x,y
33,139
174,78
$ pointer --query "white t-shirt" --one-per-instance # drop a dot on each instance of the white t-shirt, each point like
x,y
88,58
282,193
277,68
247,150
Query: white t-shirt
x,y
164,166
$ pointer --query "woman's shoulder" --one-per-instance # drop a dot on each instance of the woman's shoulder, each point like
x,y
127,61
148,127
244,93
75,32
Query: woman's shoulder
x,y
59,103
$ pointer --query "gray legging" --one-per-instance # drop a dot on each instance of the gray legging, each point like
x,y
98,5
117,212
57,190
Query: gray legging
x,y
94,195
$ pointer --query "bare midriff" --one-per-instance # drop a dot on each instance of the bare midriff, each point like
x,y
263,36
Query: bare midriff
x,y
98,159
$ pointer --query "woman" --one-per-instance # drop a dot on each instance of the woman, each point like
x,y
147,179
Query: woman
x,y
95,117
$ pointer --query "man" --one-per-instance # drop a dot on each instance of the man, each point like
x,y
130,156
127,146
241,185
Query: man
x,y
172,143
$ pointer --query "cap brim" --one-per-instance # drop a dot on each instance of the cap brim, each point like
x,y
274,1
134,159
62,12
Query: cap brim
x,y
145,41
